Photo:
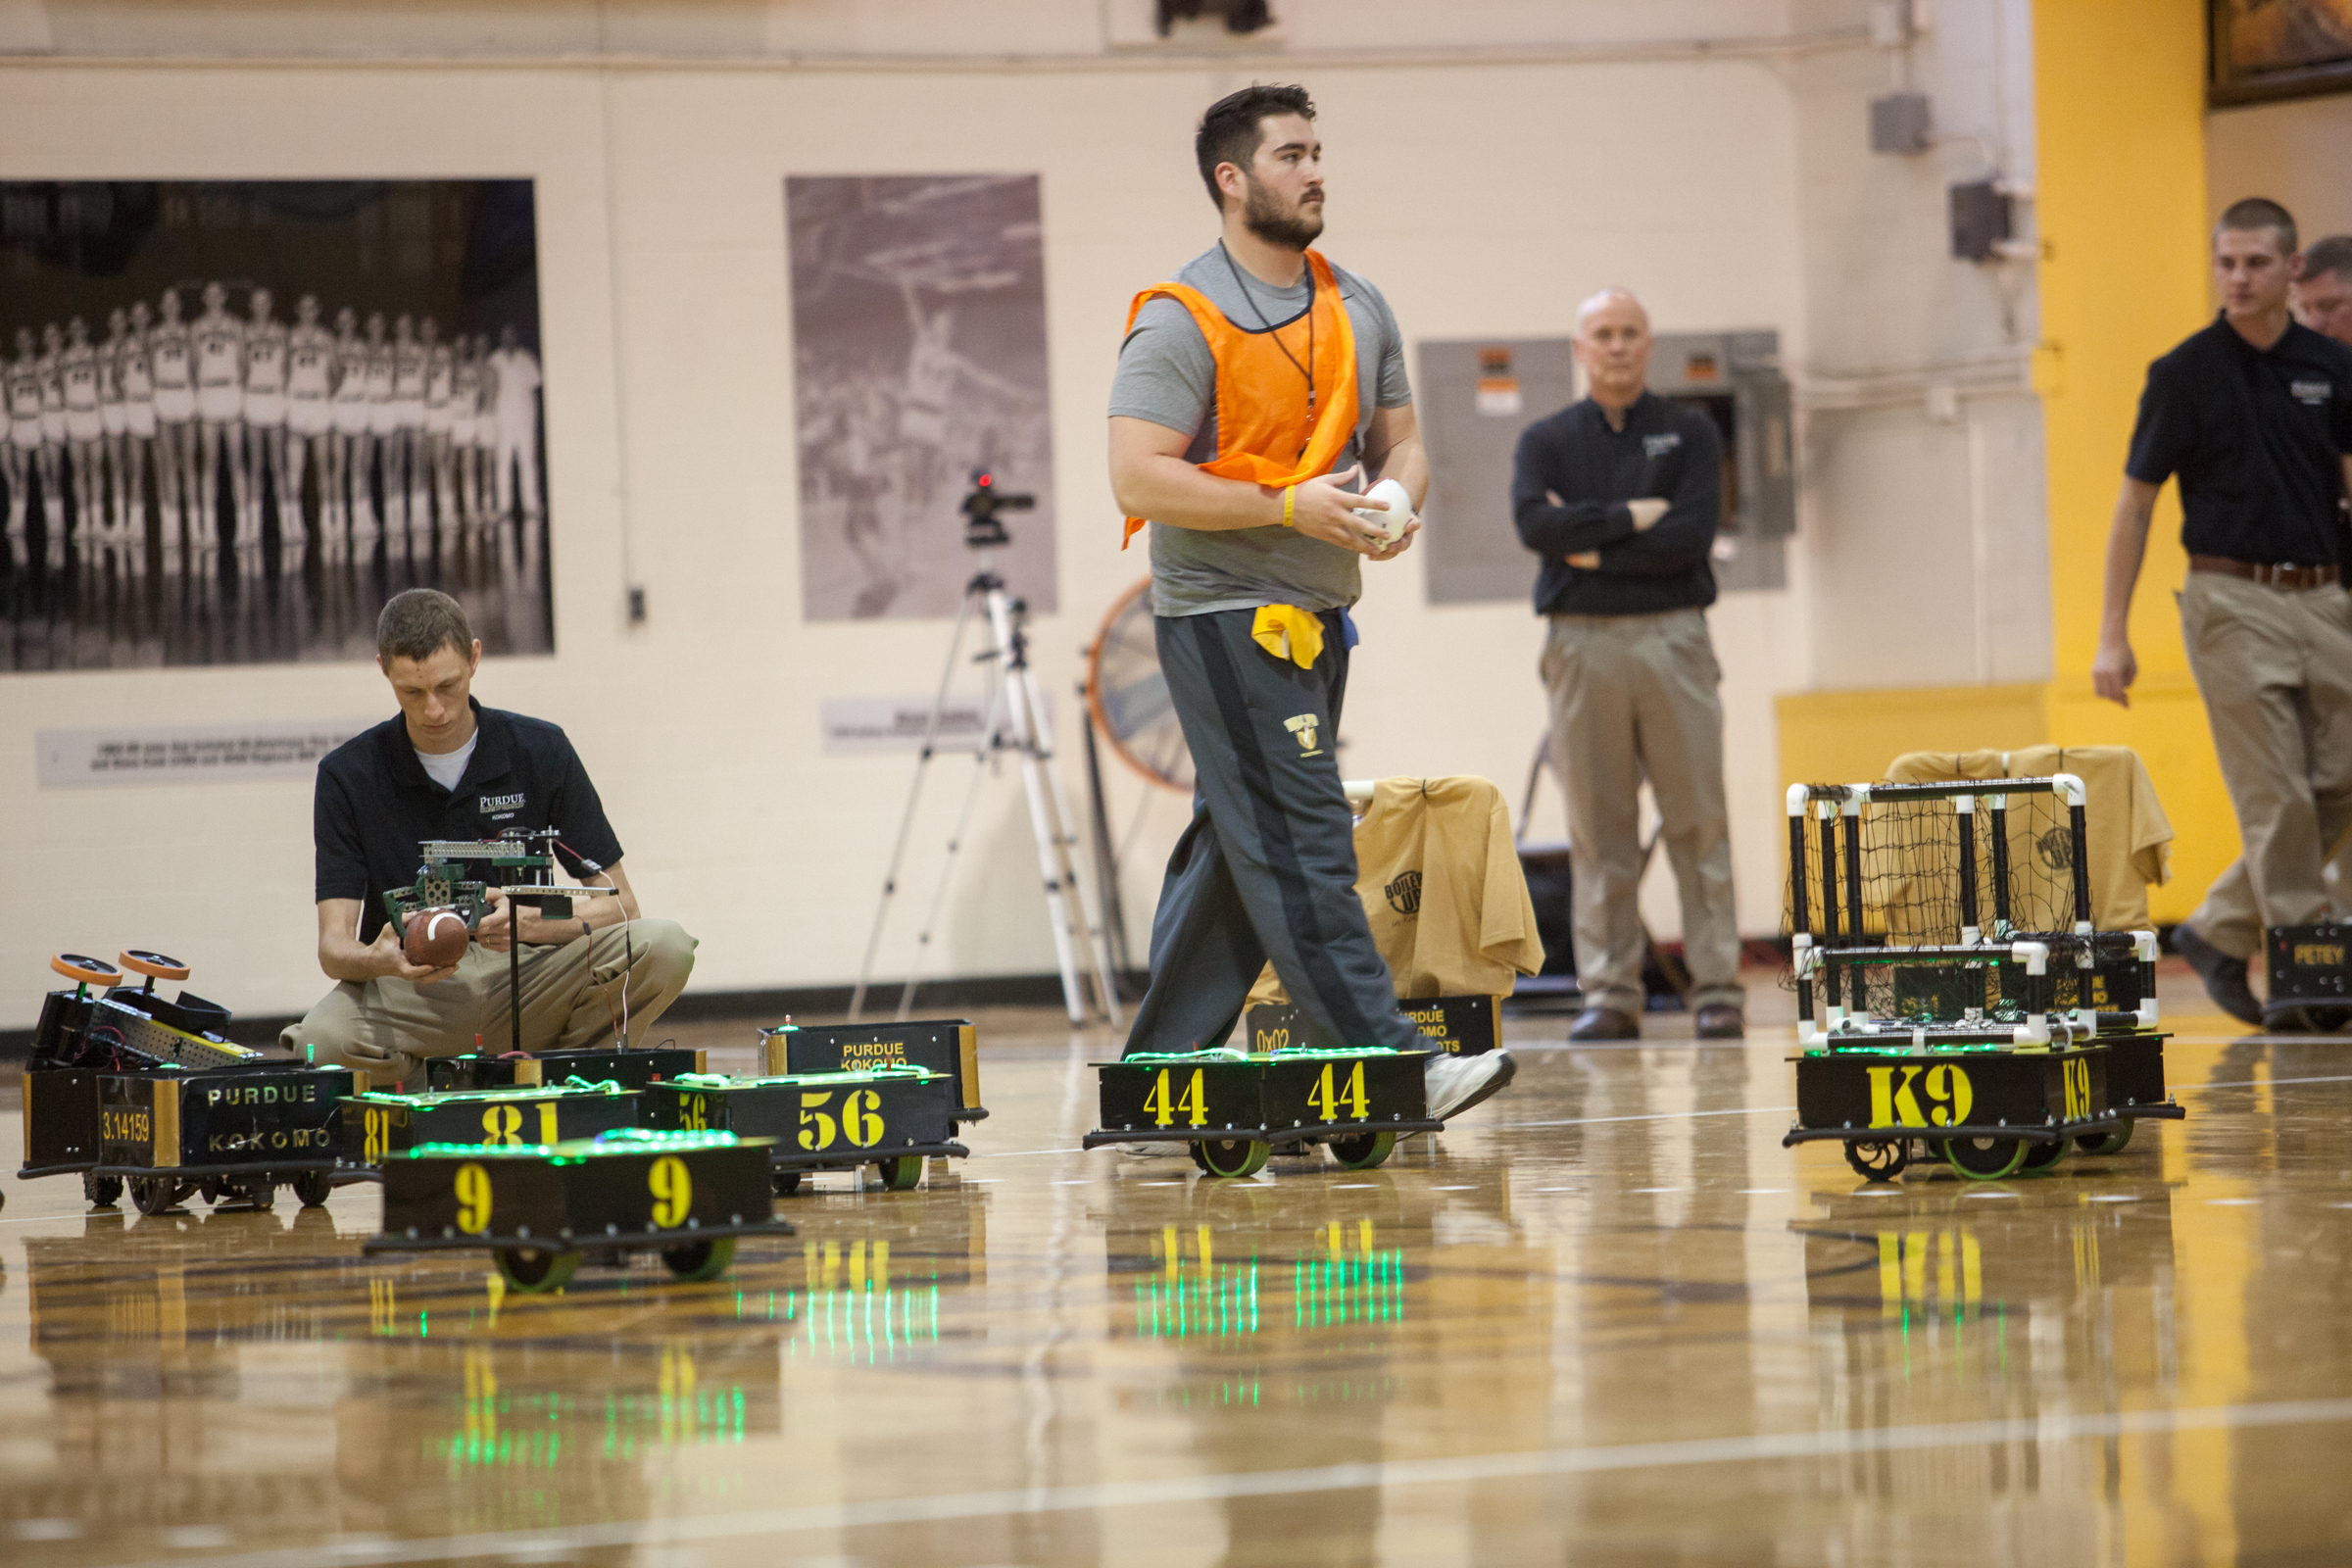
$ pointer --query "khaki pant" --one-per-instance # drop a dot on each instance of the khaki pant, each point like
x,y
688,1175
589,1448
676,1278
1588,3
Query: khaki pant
x,y
571,999
1633,696
2274,668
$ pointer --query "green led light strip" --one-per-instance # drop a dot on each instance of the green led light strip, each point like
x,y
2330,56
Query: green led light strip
x,y
861,1075
619,1141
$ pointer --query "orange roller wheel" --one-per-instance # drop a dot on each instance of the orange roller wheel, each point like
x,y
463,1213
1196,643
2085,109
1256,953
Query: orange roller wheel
x,y
89,971
154,965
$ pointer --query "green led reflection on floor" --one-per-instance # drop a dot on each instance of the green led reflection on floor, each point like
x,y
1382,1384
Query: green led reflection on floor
x,y
1337,1288
499,1429
1220,1298
851,1311
864,1326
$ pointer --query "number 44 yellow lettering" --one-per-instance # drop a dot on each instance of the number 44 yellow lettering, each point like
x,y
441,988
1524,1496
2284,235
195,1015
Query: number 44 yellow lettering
x,y
1192,1103
1328,1099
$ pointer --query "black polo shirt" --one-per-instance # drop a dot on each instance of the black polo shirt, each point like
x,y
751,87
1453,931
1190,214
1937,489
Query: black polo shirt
x,y
1667,451
2255,436
375,805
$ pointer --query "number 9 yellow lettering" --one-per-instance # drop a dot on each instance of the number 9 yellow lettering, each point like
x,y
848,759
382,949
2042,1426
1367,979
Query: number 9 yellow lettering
x,y
473,1199
672,1189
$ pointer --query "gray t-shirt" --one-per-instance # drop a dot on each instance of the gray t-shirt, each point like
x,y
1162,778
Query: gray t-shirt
x,y
1169,377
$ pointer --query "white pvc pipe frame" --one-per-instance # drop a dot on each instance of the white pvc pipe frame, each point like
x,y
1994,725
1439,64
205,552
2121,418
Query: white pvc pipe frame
x,y
2037,1030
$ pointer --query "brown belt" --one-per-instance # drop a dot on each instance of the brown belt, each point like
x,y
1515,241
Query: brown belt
x,y
2268,576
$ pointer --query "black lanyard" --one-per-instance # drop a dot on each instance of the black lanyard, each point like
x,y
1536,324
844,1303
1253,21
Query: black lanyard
x,y
1308,368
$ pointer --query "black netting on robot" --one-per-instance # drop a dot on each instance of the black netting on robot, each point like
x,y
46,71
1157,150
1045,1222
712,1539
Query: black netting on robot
x,y
1924,994
1903,876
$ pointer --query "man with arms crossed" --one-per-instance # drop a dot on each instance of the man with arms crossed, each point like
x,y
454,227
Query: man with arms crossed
x,y
450,768
2254,415
1621,495
1251,396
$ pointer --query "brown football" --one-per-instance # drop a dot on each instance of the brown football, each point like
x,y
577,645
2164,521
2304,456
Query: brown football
x,y
434,938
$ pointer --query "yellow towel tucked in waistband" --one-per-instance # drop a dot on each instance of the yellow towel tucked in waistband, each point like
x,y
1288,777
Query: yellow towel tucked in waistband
x,y
1288,632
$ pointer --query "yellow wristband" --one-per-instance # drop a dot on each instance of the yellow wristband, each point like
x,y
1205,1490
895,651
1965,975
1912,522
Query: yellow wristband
x,y
1290,499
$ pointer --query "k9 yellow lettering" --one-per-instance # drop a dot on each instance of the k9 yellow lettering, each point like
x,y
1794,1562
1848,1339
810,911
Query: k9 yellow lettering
x,y
376,1141
693,1113
2078,1089
1894,1103
502,1124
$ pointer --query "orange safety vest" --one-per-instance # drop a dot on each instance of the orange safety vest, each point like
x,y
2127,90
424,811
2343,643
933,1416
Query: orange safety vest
x,y
1265,432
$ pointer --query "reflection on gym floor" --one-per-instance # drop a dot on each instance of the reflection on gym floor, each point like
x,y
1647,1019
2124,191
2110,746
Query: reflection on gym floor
x,y
1608,1318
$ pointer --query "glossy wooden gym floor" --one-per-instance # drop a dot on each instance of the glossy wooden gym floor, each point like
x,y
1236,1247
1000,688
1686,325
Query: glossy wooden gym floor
x,y
1607,1319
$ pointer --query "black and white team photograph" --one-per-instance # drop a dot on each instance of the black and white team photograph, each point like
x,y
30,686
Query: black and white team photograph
x,y
239,414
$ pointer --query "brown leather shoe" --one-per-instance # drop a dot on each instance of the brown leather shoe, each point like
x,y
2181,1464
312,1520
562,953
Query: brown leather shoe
x,y
1604,1023
1720,1020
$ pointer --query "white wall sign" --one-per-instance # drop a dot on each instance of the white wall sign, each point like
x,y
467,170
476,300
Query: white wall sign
x,y
188,754
858,726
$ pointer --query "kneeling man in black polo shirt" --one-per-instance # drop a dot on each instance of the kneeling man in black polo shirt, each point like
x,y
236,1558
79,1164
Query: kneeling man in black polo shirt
x,y
450,768
2254,416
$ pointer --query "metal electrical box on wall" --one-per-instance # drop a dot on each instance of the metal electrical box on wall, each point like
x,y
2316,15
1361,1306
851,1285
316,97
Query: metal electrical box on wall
x,y
1473,397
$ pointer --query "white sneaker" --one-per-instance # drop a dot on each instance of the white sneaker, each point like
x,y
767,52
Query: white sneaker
x,y
1457,1083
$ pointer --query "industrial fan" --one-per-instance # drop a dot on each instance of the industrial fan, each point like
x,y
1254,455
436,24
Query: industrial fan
x,y
1128,696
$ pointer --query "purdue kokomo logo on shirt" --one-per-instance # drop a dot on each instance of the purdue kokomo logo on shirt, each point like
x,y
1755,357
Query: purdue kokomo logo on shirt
x,y
1303,726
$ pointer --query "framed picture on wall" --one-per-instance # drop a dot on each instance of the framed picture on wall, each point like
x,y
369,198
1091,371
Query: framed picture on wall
x,y
918,320
239,415
2264,49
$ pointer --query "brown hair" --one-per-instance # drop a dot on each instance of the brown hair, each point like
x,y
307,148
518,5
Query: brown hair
x,y
419,623
1234,129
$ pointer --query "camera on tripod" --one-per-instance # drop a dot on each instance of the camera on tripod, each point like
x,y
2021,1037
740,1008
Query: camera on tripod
x,y
982,526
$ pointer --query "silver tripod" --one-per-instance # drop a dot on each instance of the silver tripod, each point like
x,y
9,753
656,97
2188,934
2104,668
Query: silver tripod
x,y
1015,720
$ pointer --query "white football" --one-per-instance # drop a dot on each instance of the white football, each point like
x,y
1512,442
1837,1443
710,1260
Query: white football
x,y
1400,507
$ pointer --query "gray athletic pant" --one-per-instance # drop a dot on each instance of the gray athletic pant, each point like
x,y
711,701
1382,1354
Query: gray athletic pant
x,y
1266,868
1633,696
571,999
2275,667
